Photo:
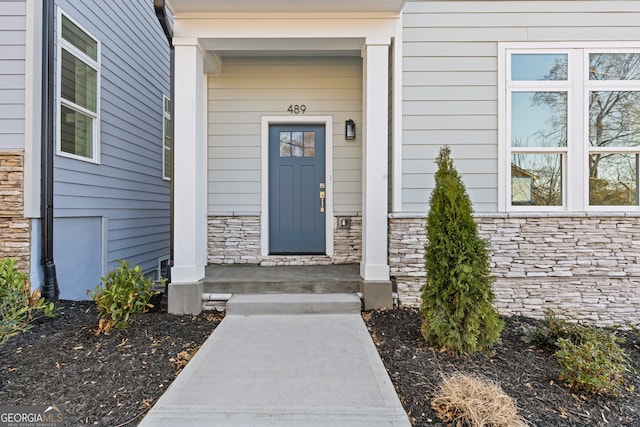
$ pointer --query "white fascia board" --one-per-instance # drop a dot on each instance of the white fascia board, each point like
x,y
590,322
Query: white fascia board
x,y
306,6
285,27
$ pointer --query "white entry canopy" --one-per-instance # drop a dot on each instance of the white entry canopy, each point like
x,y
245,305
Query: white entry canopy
x,y
208,31
285,6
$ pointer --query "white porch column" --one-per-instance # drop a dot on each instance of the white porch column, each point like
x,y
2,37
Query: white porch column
x,y
374,266
190,183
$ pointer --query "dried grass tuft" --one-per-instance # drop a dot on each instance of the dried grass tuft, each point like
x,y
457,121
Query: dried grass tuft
x,y
472,401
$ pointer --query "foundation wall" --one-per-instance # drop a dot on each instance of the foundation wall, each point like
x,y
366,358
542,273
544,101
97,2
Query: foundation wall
x,y
14,227
583,266
236,239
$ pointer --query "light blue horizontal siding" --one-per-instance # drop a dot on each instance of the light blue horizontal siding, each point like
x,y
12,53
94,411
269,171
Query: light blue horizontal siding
x,y
12,71
127,186
450,79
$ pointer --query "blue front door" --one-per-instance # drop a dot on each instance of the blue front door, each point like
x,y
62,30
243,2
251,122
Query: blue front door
x,y
297,189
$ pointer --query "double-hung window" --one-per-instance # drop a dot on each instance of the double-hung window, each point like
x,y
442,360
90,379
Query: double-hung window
x,y
78,87
571,127
166,138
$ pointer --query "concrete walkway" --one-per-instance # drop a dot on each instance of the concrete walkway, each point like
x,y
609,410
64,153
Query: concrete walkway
x,y
276,369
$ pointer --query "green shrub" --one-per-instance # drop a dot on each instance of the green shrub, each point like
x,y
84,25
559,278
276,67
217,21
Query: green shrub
x,y
123,293
590,358
596,366
457,296
18,305
555,328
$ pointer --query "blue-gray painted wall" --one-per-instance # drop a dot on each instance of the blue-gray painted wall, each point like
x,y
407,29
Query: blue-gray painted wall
x,y
12,74
125,190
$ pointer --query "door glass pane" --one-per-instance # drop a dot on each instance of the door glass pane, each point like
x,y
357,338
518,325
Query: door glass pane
x,y
76,132
539,66
613,179
614,118
309,144
614,66
285,144
539,119
80,39
297,144
78,82
536,179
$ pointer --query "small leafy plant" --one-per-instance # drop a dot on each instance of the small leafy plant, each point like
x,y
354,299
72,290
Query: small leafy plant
x,y
595,366
18,304
590,358
124,292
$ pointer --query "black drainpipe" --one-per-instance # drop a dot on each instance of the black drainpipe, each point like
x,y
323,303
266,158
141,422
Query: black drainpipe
x,y
160,7
49,289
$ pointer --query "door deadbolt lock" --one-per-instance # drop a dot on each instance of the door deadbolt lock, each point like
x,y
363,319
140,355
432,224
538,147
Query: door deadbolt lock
x,y
322,197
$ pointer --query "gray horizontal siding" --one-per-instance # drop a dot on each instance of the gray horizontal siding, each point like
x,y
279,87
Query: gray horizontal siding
x,y
250,88
450,79
127,186
12,71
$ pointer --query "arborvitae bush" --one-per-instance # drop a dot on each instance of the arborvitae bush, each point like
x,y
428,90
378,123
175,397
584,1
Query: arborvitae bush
x,y
457,296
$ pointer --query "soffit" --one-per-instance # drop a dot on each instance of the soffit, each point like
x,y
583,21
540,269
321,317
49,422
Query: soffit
x,y
285,6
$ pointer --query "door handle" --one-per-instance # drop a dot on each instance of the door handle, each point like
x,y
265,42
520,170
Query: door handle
x,y
322,197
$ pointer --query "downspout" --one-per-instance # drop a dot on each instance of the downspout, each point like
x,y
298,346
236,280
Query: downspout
x,y
49,289
160,7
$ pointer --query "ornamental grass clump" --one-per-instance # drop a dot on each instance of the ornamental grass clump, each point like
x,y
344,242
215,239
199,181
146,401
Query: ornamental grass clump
x,y
457,296
18,304
124,292
470,400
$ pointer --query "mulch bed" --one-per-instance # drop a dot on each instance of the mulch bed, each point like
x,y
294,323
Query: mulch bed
x,y
527,373
105,380
112,380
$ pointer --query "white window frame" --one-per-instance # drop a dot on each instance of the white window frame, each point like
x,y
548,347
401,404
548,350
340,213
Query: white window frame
x,y
60,101
166,175
575,183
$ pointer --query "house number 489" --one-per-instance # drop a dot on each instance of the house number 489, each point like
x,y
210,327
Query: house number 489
x,y
297,109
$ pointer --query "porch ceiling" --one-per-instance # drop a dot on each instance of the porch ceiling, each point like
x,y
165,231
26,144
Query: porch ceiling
x,y
284,47
284,6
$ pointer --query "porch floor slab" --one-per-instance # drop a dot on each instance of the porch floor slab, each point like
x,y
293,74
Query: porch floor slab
x,y
302,370
252,279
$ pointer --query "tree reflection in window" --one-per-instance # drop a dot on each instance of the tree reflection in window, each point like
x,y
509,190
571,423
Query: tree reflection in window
x,y
540,122
614,125
297,144
536,179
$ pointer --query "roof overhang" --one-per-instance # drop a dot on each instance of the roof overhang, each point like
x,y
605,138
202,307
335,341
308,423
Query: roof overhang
x,y
285,6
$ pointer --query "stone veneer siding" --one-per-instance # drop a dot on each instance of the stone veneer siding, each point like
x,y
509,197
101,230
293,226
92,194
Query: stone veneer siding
x,y
236,239
584,266
14,227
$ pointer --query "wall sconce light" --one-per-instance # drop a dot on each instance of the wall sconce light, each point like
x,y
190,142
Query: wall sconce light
x,y
349,130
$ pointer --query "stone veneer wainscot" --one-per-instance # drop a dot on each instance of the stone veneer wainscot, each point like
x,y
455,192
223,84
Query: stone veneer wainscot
x,y
584,266
14,227
234,238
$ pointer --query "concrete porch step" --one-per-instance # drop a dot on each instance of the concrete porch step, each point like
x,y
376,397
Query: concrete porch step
x,y
296,303
319,279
